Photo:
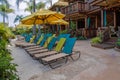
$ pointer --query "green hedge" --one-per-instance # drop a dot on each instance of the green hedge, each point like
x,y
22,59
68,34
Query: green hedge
x,y
7,68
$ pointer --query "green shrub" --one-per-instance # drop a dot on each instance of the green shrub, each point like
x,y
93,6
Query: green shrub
x,y
96,40
5,32
7,68
81,38
118,42
64,31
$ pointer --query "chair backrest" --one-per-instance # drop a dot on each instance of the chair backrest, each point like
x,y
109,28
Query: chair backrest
x,y
47,42
44,39
58,38
69,44
27,37
60,44
52,43
40,39
53,35
32,39
63,36
37,38
66,35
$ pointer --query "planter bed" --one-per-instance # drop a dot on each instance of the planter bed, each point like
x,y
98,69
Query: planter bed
x,y
103,46
117,49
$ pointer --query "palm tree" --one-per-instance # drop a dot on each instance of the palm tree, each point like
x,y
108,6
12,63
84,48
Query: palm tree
x,y
29,7
30,1
40,5
4,10
33,8
4,2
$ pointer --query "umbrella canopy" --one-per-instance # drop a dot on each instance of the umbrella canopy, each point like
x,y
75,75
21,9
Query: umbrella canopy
x,y
60,22
23,26
42,17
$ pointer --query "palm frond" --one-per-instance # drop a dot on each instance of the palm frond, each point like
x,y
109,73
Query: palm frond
x,y
40,5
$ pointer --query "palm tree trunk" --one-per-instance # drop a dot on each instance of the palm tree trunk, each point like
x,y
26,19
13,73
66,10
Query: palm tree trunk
x,y
4,18
34,27
34,5
50,2
39,30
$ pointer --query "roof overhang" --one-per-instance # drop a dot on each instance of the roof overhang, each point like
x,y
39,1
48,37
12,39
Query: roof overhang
x,y
59,4
104,3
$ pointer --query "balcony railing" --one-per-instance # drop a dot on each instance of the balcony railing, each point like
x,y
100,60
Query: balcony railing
x,y
74,7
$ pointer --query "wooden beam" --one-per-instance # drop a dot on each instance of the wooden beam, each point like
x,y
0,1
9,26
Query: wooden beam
x,y
96,22
102,18
85,21
93,3
114,19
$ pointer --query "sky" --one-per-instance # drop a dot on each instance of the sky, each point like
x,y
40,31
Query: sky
x,y
20,11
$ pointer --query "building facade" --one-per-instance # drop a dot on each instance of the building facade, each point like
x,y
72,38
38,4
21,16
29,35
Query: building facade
x,y
89,15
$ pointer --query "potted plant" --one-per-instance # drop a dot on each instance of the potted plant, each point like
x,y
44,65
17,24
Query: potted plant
x,y
96,40
118,43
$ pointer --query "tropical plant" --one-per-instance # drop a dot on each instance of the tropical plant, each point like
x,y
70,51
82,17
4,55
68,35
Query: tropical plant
x,y
72,25
96,40
64,31
40,5
5,32
7,69
5,2
29,7
4,10
118,43
81,38
18,3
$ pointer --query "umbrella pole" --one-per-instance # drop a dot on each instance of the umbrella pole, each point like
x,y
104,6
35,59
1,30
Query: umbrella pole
x,y
34,29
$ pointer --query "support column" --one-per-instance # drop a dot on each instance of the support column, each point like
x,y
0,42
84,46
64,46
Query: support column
x,y
96,22
69,23
115,19
85,21
102,19
76,24
60,28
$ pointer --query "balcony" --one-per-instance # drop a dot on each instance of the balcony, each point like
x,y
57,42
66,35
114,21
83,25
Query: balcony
x,y
75,7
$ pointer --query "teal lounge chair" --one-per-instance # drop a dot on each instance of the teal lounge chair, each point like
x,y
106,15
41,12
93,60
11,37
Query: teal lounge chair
x,y
57,48
39,48
66,52
33,48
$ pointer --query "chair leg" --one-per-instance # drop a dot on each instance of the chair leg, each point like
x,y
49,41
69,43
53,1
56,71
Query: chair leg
x,y
66,59
50,63
79,54
53,67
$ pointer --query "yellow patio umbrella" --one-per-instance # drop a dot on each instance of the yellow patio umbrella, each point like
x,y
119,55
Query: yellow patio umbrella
x,y
60,22
43,16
